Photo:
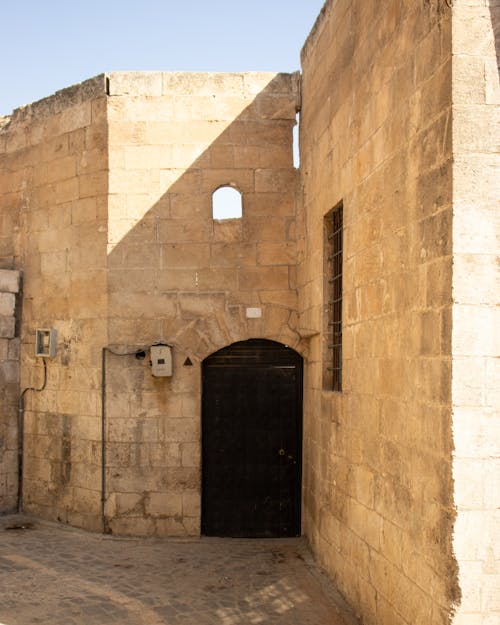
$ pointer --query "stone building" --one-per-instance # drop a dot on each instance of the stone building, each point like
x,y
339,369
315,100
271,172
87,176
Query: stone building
x,y
335,344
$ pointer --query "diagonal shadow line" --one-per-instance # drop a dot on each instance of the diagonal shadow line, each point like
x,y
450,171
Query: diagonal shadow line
x,y
176,274
495,22
175,246
295,587
134,607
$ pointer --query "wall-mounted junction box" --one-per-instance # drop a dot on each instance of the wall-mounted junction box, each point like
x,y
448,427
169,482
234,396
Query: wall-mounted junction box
x,y
161,360
45,342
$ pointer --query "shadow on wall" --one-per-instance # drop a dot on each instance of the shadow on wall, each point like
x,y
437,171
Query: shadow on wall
x,y
176,273
495,21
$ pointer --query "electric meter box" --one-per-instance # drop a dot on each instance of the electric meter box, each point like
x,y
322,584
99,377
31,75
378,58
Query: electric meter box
x,y
161,361
45,342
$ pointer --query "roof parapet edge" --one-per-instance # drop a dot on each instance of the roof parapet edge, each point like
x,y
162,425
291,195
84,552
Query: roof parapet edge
x,y
320,20
58,101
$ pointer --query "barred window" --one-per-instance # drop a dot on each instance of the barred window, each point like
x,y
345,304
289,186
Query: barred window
x,y
332,353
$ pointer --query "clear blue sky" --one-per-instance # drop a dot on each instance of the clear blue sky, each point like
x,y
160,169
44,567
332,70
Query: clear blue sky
x,y
47,45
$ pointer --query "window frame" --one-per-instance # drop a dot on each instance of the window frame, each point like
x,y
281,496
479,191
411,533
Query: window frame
x,y
333,250
238,198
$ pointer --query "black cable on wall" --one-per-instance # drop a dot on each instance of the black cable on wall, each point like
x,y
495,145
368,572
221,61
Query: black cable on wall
x,y
20,439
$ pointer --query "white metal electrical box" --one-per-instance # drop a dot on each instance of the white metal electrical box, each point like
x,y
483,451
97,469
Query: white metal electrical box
x,y
45,342
161,361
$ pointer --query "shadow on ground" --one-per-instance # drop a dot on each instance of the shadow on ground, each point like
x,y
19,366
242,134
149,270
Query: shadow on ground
x,y
53,574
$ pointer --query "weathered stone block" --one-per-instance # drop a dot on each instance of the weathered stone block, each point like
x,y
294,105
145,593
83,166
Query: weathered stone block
x,y
467,341
180,230
241,179
179,430
257,82
137,157
9,372
191,503
469,79
473,32
7,304
492,82
196,255
164,504
75,117
135,84
5,350
197,83
7,327
194,305
479,278
233,254
275,180
263,278
141,305
476,433
276,253
260,229
9,281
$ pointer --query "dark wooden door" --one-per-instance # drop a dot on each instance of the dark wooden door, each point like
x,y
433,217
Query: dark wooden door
x,y
252,441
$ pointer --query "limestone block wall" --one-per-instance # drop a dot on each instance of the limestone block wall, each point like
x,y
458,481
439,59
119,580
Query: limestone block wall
x,y
376,135
54,211
176,275
9,389
106,201
476,311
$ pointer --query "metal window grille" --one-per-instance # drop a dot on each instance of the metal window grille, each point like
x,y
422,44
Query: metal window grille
x,y
334,234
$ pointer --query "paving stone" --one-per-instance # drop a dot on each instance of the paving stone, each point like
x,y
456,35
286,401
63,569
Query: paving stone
x,y
55,575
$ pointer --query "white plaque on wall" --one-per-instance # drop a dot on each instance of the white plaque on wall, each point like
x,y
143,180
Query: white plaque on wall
x,y
254,313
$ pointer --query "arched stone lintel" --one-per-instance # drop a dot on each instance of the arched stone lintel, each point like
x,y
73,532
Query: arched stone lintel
x,y
204,336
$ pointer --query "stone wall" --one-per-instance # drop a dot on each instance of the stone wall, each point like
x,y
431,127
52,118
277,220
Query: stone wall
x,y
9,389
109,185
54,162
476,313
180,277
376,135
106,206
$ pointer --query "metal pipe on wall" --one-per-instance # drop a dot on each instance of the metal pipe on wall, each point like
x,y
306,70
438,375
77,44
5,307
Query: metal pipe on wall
x,y
20,439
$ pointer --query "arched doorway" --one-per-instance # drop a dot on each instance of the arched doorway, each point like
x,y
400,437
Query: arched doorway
x,y
252,440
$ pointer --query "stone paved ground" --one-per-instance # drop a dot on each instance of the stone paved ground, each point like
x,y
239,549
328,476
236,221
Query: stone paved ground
x,y
52,574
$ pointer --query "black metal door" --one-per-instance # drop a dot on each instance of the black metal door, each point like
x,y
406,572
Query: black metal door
x,y
252,441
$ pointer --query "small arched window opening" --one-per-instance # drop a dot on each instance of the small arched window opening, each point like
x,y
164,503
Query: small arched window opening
x,y
227,203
